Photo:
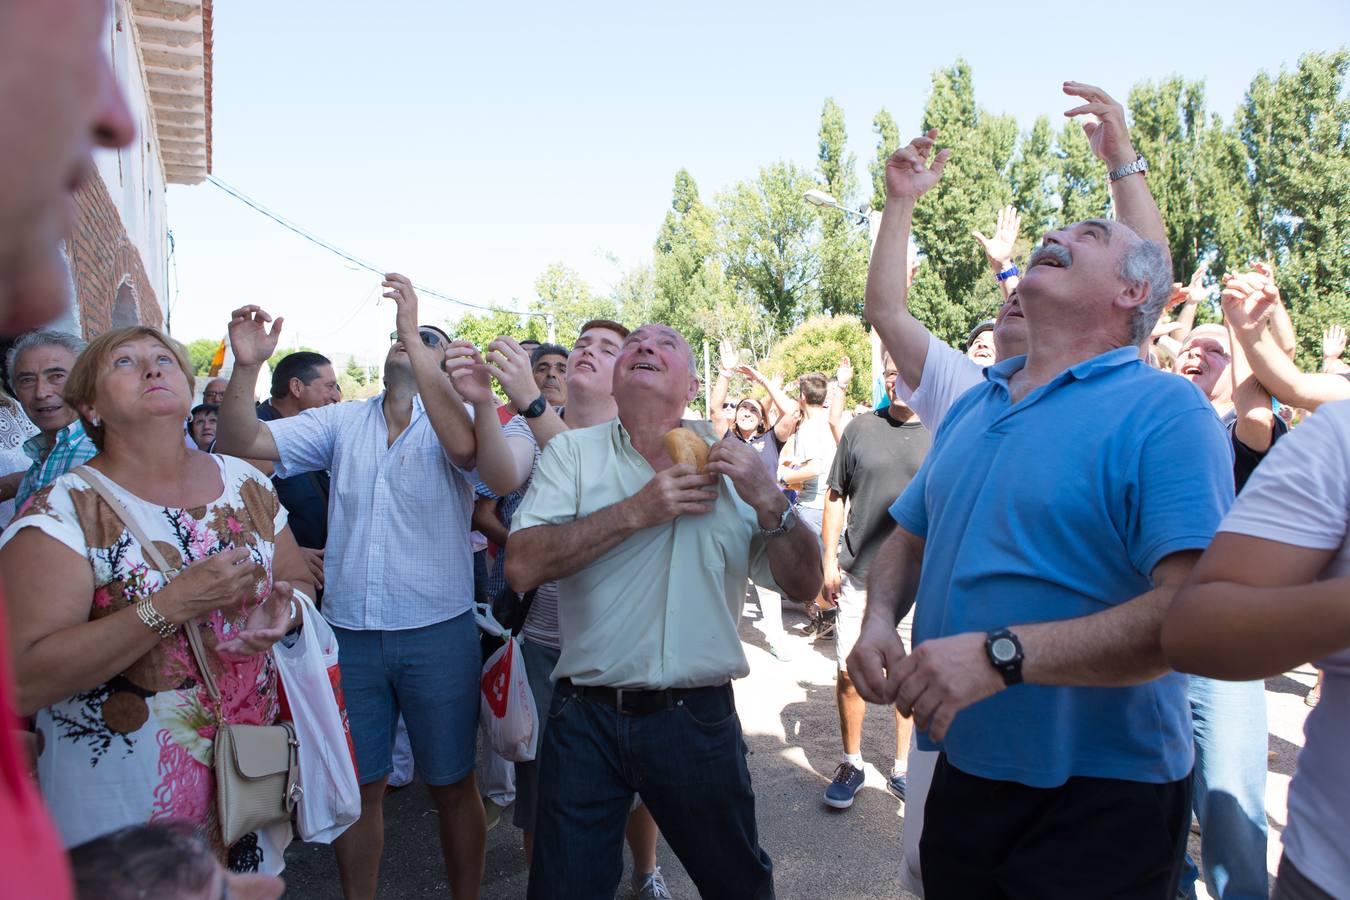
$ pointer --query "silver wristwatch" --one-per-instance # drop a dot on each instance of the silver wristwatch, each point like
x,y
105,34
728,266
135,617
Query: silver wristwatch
x,y
786,523
1139,165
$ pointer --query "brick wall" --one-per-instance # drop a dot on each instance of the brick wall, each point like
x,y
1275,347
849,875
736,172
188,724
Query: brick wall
x,y
106,266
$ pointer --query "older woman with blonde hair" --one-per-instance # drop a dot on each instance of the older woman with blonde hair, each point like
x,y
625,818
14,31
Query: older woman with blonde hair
x,y
125,723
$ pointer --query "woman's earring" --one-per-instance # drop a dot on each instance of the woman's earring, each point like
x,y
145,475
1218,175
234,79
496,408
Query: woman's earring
x,y
95,420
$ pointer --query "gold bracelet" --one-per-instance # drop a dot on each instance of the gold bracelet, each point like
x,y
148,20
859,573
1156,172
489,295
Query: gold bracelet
x,y
153,619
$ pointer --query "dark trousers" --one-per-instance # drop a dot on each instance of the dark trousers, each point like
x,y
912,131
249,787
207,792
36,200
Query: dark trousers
x,y
1090,837
686,761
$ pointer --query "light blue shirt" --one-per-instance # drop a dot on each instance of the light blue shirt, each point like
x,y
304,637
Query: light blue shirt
x,y
1054,508
398,552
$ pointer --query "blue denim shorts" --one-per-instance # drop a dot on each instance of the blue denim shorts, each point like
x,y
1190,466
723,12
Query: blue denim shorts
x,y
428,674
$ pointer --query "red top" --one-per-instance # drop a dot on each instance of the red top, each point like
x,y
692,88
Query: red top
x,y
31,856
504,413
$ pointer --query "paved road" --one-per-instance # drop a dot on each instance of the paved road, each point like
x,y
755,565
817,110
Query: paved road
x,y
791,727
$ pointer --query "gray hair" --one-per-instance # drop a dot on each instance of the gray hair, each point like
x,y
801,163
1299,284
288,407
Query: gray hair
x,y
41,337
1145,262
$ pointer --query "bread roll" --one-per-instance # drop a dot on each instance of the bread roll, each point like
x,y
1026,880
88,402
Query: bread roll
x,y
685,446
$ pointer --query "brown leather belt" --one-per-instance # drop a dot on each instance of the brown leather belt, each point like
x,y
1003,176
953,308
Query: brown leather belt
x,y
638,701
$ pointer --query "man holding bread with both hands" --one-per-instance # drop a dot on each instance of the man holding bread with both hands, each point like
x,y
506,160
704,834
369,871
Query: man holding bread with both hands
x,y
652,556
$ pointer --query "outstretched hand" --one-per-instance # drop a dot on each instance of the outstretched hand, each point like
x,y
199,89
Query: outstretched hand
x,y
1248,302
1109,136
266,624
999,248
250,339
913,169
510,365
399,289
1333,342
468,373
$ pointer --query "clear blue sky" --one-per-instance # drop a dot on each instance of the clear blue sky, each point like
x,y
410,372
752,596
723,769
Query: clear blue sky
x,y
469,145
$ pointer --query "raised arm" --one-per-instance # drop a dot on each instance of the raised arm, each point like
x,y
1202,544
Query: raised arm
x,y
445,409
239,432
721,420
1251,402
508,362
786,420
998,250
1109,138
838,399
909,174
1248,307
504,462
1333,345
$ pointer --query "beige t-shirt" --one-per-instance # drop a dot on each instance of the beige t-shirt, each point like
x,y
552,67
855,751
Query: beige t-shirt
x,y
660,609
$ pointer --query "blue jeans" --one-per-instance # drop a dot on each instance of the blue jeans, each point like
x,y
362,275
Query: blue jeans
x,y
430,675
686,761
1230,788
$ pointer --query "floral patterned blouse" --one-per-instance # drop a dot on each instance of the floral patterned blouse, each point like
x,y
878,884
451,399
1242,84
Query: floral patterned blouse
x,y
138,748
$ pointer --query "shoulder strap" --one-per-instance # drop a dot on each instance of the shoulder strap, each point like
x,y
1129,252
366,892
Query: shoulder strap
x,y
148,549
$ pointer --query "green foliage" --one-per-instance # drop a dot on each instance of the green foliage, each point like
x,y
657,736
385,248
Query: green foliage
x,y
1296,131
888,141
356,372
954,290
1083,191
566,295
844,245
1033,177
200,353
817,345
483,328
768,240
1167,127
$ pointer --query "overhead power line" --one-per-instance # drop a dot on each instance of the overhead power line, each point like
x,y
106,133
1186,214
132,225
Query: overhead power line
x,y
351,257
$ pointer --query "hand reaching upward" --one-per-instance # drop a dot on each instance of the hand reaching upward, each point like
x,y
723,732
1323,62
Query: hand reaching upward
x,y
999,248
913,169
253,344
1109,136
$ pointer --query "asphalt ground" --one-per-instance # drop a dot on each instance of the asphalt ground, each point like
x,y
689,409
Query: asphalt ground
x,y
791,727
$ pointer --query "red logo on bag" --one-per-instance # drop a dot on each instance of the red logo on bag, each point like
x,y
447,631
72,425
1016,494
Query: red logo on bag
x,y
496,682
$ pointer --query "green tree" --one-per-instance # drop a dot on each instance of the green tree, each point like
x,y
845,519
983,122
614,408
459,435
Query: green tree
x,y
954,290
888,141
1167,127
769,236
1296,129
817,345
565,295
200,353
1033,183
843,246
1083,190
355,371
483,328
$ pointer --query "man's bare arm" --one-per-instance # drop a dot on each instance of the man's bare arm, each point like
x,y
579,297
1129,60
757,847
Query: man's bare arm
x,y
1116,647
893,578
238,429
543,553
886,305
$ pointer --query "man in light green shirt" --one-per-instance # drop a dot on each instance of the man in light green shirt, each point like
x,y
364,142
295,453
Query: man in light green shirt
x,y
652,561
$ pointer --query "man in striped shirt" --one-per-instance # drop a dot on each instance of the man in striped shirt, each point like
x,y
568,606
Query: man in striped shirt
x,y
37,365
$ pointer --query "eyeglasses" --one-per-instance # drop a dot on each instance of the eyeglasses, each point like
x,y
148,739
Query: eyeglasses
x,y
728,405
430,338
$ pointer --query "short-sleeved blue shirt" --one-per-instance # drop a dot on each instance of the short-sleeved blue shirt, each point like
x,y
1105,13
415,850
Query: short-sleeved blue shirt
x,y
1054,508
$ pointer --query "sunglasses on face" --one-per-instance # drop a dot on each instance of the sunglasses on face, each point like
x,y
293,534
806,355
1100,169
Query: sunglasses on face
x,y
430,338
728,405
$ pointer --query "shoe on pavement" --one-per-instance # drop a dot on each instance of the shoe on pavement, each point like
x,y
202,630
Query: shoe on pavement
x,y
493,810
651,886
826,623
897,785
780,652
847,781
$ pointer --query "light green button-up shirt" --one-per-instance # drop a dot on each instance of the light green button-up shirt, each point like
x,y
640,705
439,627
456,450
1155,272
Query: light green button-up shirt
x,y
660,609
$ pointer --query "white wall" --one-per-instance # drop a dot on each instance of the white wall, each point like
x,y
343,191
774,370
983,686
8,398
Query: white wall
x,y
134,175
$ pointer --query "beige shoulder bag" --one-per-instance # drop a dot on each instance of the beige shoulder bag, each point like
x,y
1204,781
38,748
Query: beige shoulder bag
x,y
257,766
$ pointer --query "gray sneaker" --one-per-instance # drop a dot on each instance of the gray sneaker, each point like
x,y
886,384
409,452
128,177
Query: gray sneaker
x,y
651,886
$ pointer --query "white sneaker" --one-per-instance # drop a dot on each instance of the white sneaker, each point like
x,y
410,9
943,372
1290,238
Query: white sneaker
x,y
651,886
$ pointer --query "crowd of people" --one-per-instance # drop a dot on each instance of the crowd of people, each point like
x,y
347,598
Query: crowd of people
x,y
1030,547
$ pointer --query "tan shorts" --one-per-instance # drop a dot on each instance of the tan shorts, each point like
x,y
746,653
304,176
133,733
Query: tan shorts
x,y
852,602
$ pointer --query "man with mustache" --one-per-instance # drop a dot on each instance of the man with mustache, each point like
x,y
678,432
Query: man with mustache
x,y
59,100
1065,501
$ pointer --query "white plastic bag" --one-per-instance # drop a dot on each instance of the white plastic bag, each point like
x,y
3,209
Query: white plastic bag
x,y
331,798
506,710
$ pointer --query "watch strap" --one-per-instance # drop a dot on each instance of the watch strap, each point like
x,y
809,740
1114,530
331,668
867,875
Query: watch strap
x,y
535,409
1139,165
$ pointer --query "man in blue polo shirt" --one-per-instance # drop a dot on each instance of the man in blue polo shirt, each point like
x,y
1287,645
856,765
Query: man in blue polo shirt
x,y
1064,502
